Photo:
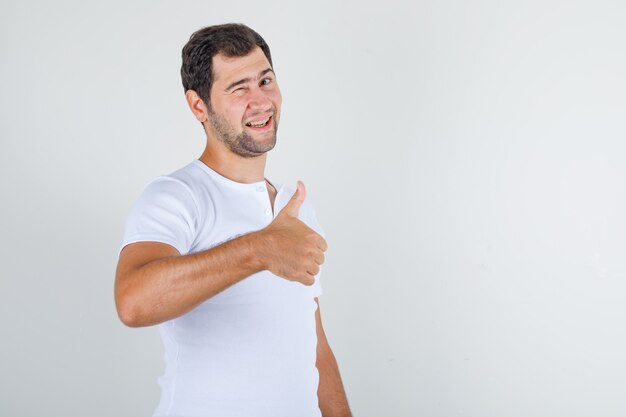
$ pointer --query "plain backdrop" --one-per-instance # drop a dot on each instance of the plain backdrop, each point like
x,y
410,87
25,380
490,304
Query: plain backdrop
x,y
466,160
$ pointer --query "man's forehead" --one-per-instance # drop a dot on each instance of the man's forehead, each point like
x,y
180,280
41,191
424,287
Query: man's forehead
x,y
226,69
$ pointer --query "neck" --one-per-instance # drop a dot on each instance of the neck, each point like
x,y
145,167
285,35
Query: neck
x,y
233,166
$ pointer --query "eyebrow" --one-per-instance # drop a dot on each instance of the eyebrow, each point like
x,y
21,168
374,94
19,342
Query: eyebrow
x,y
247,80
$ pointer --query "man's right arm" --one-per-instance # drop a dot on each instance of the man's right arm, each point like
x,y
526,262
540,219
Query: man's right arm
x,y
154,283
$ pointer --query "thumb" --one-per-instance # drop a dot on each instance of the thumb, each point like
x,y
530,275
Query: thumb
x,y
293,206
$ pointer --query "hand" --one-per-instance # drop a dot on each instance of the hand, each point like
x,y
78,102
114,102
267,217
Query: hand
x,y
293,250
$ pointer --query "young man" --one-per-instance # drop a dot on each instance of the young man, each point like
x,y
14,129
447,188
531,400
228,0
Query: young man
x,y
227,262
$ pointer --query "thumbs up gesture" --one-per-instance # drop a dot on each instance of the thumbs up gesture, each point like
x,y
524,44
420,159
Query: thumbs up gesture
x,y
293,250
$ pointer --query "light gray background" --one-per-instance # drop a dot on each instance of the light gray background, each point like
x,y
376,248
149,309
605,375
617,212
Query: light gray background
x,y
466,160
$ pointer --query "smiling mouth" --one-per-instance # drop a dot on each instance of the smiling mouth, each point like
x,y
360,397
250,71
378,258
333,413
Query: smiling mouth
x,y
259,124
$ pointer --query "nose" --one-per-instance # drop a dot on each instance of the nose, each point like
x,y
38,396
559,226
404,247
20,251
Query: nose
x,y
259,101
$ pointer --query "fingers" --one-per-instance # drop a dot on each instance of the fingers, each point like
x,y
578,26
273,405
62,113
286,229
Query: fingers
x,y
313,269
319,258
309,279
321,243
293,206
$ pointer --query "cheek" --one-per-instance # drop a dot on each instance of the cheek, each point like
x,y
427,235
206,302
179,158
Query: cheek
x,y
277,99
236,110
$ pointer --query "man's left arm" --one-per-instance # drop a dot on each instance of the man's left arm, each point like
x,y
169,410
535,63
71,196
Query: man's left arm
x,y
330,393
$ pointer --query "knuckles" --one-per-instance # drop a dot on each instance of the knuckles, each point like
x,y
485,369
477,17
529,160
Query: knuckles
x,y
298,250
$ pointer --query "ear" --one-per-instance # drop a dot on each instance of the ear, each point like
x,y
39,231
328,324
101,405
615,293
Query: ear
x,y
197,106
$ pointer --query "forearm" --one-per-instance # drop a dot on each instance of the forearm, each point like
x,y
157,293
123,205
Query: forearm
x,y
331,394
169,287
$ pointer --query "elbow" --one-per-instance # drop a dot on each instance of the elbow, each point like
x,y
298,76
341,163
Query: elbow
x,y
127,313
128,317
128,309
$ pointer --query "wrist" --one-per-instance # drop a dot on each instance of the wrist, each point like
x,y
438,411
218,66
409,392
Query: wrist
x,y
259,244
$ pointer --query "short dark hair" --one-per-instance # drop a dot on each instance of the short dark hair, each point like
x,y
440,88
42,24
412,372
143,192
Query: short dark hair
x,y
231,40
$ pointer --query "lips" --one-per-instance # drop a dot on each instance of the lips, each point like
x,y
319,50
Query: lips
x,y
260,123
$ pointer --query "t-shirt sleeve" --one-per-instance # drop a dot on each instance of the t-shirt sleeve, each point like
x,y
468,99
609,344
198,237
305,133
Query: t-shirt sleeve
x,y
311,221
164,212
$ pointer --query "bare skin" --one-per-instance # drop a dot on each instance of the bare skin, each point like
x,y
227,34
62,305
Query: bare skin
x,y
155,283
330,392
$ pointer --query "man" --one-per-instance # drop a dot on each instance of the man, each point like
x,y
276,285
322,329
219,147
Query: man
x,y
227,262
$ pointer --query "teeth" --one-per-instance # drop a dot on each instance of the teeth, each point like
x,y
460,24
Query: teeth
x,y
258,124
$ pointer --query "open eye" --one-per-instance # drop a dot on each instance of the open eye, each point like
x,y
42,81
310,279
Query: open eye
x,y
266,81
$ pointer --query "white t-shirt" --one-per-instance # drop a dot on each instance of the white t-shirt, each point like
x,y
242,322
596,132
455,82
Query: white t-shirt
x,y
249,350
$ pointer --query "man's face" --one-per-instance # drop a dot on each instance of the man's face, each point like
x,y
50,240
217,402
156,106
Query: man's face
x,y
245,103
